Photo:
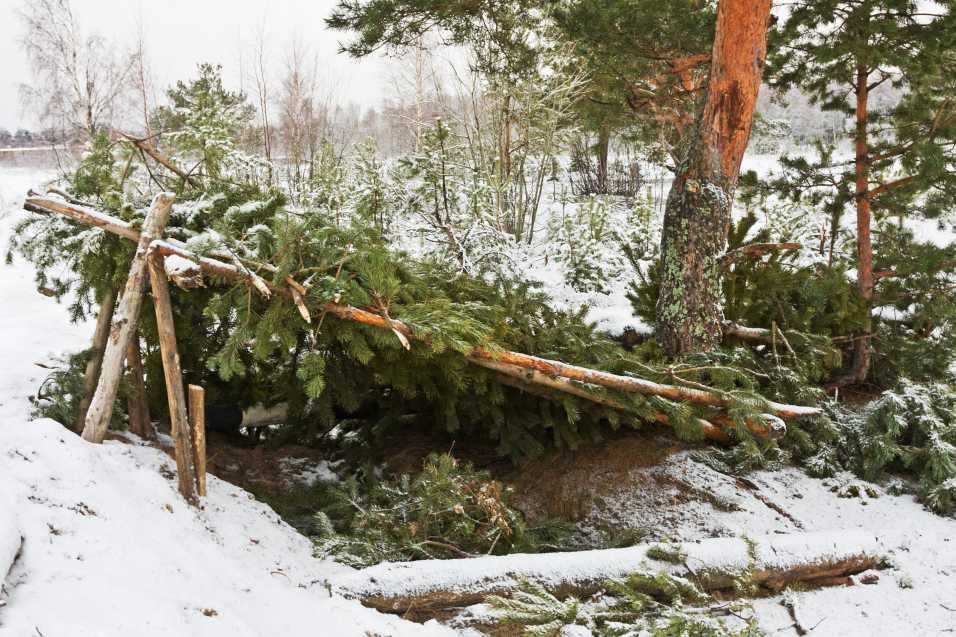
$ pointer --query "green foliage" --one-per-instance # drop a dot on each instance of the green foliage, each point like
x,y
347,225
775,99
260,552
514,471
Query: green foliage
x,y
205,120
621,45
580,234
645,603
500,34
913,429
58,396
448,510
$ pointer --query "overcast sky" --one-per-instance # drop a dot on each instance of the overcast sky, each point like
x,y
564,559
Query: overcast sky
x,y
181,33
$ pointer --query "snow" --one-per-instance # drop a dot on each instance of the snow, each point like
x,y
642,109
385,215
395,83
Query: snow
x,y
307,472
109,548
500,573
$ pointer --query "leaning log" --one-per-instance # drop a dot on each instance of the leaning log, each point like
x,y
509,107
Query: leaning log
x,y
628,384
125,320
713,564
531,382
173,373
91,375
137,403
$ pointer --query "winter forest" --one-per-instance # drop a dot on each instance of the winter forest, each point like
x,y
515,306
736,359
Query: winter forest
x,y
609,318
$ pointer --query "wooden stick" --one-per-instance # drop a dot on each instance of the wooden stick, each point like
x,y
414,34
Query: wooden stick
x,y
197,420
140,422
713,564
628,384
173,373
91,376
124,322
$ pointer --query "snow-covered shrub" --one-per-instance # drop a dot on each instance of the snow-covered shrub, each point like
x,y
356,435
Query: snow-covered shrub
x,y
582,237
913,428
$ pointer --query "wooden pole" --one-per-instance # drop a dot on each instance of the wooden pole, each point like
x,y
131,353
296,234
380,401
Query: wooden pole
x,y
140,422
197,419
173,373
92,374
124,322
627,384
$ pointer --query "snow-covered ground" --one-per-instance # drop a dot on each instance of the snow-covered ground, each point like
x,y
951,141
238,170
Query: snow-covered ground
x,y
106,545
108,548
917,596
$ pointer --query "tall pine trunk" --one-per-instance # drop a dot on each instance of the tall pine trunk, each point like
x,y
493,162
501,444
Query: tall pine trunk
x,y
864,242
697,215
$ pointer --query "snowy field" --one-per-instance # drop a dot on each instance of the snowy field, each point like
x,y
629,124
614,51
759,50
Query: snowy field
x,y
106,547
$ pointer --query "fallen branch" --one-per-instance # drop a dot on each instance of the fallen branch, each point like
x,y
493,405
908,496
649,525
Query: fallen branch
x,y
533,382
160,159
714,564
229,272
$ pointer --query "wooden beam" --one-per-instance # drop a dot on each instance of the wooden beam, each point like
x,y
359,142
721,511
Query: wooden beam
x,y
125,320
197,422
529,380
173,373
149,149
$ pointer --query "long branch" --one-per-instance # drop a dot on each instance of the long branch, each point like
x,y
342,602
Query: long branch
x,y
216,268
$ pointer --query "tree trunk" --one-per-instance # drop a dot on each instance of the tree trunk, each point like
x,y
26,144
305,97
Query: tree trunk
x,y
124,322
864,243
697,215
92,374
173,373
601,149
140,422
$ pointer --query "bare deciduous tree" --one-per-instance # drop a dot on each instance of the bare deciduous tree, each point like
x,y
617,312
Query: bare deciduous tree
x,y
81,81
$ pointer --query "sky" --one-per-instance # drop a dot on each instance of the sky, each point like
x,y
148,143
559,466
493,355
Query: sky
x,y
182,33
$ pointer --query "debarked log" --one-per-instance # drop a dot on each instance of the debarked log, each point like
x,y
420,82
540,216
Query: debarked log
x,y
714,564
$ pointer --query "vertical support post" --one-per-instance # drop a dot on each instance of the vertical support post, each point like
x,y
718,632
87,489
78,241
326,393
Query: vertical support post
x,y
91,375
125,320
197,419
137,406
173,373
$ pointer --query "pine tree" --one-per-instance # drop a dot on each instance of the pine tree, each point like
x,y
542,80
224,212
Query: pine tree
x,y
645,61
904,149
697,216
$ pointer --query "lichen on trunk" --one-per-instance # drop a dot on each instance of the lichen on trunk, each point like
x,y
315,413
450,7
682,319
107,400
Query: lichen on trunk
x,y
697,215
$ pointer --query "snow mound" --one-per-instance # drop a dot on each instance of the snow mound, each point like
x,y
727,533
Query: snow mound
x,y
111,549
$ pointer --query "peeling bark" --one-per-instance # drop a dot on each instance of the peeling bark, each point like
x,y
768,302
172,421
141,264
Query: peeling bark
x,y
697,215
